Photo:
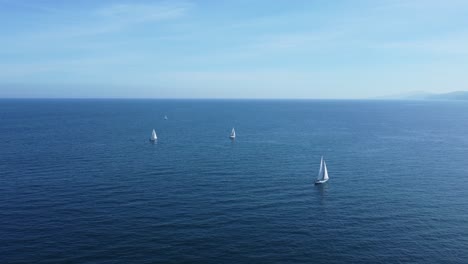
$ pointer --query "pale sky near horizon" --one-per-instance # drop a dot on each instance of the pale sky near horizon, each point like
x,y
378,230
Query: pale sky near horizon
x,y
232,49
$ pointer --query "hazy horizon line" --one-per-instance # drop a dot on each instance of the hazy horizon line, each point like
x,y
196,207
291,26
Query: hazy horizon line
x,y
212,99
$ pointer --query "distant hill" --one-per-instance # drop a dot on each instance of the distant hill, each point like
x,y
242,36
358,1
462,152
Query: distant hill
x,y
458,95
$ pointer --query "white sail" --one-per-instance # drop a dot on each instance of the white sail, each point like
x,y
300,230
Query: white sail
x,y
153,135
233,133
325,171
165,117
320,174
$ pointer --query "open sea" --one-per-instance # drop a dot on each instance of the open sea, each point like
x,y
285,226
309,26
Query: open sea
x,y
81,183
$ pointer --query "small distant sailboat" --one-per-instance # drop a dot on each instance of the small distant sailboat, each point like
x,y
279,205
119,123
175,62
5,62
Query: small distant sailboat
x,y
153,137
165,117
233,134
323,173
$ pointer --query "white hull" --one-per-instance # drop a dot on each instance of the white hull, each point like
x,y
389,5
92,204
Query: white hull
x,y
321,181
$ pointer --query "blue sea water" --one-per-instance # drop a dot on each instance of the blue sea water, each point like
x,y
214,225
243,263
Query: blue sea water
x,y
81,183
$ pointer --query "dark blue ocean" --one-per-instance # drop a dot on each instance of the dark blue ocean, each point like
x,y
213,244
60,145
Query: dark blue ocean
x,y
81,183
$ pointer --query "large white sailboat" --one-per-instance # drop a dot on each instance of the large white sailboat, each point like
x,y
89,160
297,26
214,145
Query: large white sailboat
x,y
153,137
233,134
323,173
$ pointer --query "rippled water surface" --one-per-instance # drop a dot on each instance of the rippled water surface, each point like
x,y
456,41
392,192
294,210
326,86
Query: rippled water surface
x,y
81,183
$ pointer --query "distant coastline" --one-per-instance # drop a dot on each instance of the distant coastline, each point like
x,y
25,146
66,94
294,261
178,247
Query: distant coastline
x,y
419,95
456,95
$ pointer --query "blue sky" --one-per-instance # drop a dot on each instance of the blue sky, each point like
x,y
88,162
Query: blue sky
x,y
232,49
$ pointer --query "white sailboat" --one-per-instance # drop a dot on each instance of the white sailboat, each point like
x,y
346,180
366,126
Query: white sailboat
x,y
233,134
323,173
165,117
153,137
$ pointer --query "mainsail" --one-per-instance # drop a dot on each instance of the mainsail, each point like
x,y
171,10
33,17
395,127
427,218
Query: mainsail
x,y
323,172
153,135
233,133
320,174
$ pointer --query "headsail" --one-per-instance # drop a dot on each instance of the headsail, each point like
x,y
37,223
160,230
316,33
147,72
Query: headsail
x,y
325,171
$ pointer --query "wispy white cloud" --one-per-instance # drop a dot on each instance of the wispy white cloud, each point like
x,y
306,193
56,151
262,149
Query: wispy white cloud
x,y
422,4
453,44
138,13
295,41
265,46
286,54
19,71
117,17
102,20
32,6
89,29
